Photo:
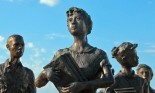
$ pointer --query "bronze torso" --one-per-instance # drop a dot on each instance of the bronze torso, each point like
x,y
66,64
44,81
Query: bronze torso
x,y
123,81
88,62
14,78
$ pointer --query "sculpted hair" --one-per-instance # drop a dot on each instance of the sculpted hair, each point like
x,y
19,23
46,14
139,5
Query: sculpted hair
x,y
146,67
83,13
125,47
14,36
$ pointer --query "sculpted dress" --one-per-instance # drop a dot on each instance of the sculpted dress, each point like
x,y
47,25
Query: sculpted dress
x,y
128,83
88,62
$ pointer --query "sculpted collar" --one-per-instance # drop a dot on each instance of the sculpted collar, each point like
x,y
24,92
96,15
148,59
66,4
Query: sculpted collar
x,y
132,75
8,64
86,50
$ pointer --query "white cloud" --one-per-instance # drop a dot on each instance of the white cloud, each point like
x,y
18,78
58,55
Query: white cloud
x,y
43,50
152,46
36,50
149,48
149,51
37,53
2,44
30,45
49,2
57,35
1,39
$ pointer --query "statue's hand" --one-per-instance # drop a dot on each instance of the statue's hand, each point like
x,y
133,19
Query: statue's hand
x,y
53,74
74,87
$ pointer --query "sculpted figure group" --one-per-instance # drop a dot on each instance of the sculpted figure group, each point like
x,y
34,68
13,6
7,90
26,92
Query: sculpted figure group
x,y
81,68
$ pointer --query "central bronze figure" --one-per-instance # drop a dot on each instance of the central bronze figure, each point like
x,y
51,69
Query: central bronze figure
x,y
80,68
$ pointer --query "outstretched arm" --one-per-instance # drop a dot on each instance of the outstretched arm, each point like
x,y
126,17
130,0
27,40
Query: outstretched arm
x,y
41,80
48,74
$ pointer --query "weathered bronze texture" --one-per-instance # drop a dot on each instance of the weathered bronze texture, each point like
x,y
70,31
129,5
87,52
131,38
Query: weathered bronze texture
x,y
89,66
14,77
146,72
126,81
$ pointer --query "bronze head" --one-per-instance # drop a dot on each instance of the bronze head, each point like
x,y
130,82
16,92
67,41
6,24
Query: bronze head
x,y
84,16
145,72
126,54
15,44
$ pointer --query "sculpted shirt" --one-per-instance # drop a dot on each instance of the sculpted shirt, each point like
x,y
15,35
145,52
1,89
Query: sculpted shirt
x,y
88,61
123,81
151,90
14,78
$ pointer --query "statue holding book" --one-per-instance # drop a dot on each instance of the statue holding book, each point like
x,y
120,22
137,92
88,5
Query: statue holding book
x,y
80,68
126,81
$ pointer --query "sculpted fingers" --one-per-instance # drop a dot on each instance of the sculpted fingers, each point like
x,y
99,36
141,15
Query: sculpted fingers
x,y
65,90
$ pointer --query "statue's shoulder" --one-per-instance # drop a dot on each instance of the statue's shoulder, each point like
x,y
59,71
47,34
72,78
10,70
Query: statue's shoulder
x,y
28,71
61,51
140,79
1,67
56,55
119,76
99,51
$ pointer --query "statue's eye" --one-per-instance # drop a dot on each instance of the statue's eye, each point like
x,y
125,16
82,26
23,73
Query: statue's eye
x,y
70,19
78,19
16,44
142,72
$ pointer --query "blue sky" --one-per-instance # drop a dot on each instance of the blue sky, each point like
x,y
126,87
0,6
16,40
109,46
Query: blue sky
x,y
43,25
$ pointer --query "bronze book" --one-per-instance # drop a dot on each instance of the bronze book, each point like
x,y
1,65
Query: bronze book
x,y
125,90
69,70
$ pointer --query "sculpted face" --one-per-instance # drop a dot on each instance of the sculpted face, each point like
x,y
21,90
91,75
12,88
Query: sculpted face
x,y
16,47
132,58
76,25
128,59
145,73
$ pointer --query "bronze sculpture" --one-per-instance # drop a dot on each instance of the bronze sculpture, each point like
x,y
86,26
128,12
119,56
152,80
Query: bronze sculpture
x,y
82,67
14,77
146,72
126,81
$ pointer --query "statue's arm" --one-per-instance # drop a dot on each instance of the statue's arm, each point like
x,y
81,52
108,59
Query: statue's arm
x,y
31,86
48,74
106,79
41,79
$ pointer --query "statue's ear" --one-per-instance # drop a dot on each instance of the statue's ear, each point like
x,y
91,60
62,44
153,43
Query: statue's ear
x,y
151,76
7,46
123,58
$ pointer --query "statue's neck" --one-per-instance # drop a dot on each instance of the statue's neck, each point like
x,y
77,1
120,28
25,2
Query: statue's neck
x,y
127,70
80,44
14,60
